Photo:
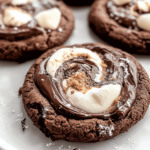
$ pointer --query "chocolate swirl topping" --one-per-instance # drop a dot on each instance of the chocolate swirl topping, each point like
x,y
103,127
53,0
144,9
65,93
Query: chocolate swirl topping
x,y
32,28
119,70
125,15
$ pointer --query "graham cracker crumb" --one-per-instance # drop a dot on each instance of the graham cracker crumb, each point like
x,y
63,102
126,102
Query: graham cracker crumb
x,y
103,65
79,82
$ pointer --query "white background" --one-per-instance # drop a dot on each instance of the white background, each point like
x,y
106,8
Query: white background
x,y
12,76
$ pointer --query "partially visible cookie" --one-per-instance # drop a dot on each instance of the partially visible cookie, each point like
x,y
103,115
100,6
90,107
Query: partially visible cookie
x,y
122,23
85,93
78,2
28,28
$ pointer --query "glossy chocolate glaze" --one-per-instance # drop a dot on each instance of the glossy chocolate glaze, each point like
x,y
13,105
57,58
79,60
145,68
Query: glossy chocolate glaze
x,y
29,29
122,14
116,63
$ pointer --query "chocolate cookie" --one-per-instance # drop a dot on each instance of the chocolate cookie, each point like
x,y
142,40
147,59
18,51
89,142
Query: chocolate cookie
x,y
28,28
123,24
85,93
78,2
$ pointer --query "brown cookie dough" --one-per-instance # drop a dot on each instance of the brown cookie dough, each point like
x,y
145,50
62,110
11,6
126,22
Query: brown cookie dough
x,y
78,2
59,127
115,31
29,47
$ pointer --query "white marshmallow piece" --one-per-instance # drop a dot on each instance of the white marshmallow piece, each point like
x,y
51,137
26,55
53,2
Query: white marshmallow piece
x,y
121,2
20,2
143,22
15,17
144,5
66,54
49,19
96,100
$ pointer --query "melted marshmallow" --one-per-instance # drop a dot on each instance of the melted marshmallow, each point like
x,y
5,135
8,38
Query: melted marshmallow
x,y
121,2
143,5
65,54
16,17
143,22
20,2
49,19
96,100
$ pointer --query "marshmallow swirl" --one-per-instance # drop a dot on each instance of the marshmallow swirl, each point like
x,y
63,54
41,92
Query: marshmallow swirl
x,y
87,83
134,14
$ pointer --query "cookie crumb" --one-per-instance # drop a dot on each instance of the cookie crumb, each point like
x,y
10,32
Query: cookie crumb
x,y
23,122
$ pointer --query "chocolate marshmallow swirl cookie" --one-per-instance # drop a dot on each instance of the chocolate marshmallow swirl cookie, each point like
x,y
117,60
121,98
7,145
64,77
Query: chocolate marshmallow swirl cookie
x,y
85,93
30,27
123,23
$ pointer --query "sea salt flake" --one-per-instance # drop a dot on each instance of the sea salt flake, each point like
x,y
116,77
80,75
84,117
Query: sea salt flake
x,y
15,28
60,29
128,31
20,115
106,130
2,26
49,30
68,105
45,110
48,144
111,15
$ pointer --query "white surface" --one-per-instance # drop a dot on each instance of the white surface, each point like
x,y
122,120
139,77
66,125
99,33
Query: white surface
x,y
12,77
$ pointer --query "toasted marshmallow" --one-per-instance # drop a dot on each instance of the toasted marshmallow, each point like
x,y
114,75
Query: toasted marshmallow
x,y
143,22
20,2
121,2
14,16
49,19
66,54
96,100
